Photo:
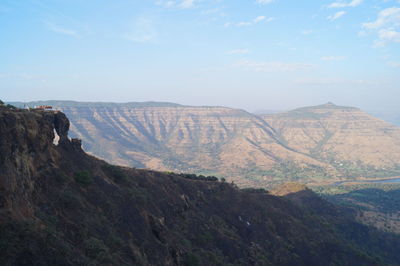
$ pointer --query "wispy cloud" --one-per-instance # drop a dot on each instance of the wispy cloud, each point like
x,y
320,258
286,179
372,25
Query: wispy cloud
x,y
333,58
272,66
264,2
386,18
255,21
394,64
181,4
336,15
353,3
143,31
337,81
238,51
259,19
61,30
386,26
186,4
307,32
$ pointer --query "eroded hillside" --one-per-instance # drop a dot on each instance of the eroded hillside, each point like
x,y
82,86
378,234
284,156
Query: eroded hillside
x,y
317,144
353,142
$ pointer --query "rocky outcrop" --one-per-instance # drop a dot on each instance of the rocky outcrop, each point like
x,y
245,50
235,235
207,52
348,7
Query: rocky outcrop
x,y
26,153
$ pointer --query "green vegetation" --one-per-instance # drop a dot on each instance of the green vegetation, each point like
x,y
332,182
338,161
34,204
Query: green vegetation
x,y
9,106
283,172
377,197
193,176
83,177
191,260
116,173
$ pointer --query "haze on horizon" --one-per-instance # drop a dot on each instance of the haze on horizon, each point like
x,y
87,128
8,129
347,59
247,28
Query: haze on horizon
x,y
256,54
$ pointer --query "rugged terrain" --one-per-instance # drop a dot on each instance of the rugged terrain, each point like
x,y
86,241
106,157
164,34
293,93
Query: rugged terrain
x,y
313,145
353,142
378,205
60,206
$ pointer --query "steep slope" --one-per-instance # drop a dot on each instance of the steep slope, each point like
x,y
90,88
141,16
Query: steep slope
x,y
60,206
208,140
353,142
313,145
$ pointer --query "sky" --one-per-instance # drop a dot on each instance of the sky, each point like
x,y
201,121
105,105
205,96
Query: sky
x,y
250,54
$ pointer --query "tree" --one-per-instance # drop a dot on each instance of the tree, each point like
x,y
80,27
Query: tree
x,y
1,103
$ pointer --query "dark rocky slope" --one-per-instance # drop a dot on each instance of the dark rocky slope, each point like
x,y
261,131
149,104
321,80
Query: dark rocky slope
x,y
60,206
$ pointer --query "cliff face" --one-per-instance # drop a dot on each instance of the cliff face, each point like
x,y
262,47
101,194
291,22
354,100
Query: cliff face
x,y
27,152
352,141
317,144
60,206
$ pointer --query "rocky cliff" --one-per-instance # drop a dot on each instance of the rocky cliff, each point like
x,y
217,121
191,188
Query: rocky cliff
x,y
60,206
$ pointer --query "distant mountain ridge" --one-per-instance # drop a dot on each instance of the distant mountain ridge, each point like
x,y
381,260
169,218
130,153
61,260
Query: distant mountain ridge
x,y
312,144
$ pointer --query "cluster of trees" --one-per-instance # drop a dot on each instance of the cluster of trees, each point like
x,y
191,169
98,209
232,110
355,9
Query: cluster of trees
x,y
197,177
2,104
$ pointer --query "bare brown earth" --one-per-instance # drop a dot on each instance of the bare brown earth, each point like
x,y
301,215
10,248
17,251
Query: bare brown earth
x,y
313,145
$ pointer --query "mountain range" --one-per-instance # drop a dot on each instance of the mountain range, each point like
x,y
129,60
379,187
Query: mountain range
x,y
60,206
314,145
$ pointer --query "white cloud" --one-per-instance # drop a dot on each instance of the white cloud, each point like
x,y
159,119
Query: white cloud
x,y
259,19
181,4
243,23
186,4
238,51
387,17
333,58
317,82
336,15
307,32
385,36
61,30
353,3
143,31
263,2
254,21
386,26
272,66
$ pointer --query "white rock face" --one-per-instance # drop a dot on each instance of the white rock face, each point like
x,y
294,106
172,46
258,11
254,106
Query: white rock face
x,y
56,138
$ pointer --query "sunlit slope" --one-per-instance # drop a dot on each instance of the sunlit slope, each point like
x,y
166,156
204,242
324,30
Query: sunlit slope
x,y
351,140
315,144
216,140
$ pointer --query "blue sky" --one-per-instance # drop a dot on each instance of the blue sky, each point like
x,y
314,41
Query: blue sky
x,y
265,54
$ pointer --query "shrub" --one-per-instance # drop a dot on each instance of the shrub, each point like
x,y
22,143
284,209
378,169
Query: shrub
x,y
191,260
83,178
95,248
116,173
